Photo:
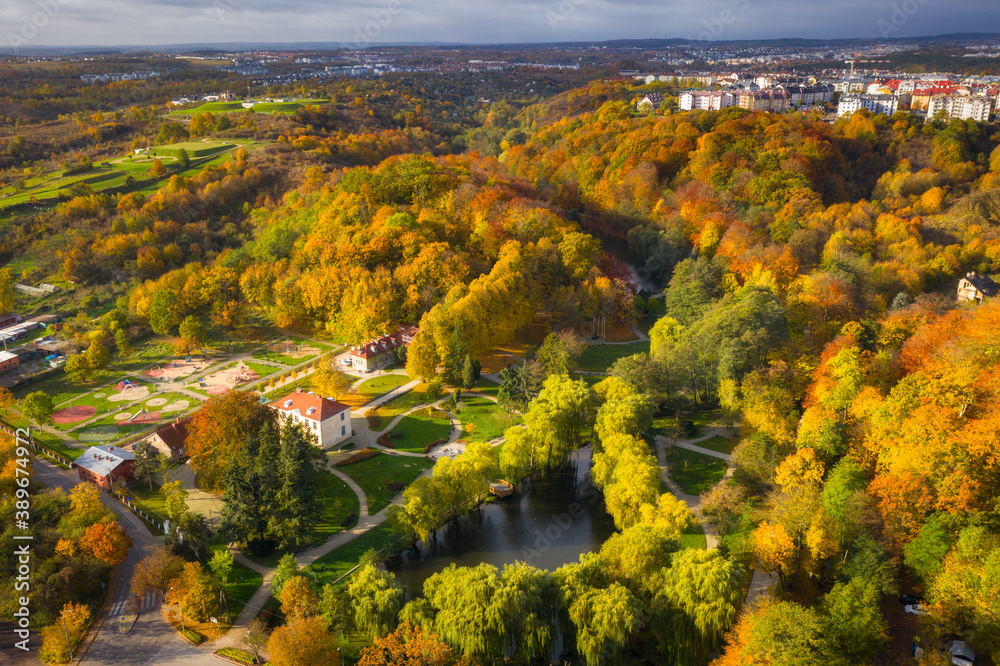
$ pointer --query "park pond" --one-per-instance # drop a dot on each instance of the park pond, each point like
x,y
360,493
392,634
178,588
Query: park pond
x,y
547,523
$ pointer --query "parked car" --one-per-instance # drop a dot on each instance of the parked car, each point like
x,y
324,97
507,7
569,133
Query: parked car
x,y
915,609
909,599
962,654
345,361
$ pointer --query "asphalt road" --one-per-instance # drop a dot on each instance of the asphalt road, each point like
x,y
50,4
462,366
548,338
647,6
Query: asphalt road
x,y
152,640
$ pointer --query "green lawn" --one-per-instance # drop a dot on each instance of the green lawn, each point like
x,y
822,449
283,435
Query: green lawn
x,y
404,403
487,386
145,353
720,444
61,388
338,562
194,148
339,501
289,360
695,473
150,501
236,107
482,420
373,388
243,581
375,474
417,430
694,536
598,358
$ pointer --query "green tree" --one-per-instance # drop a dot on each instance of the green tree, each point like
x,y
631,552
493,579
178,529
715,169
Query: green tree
x,y
376,598
78,368
123,344
6,290
854,619
183,158
297,508
98,355
147,462
37,407
221,565
605,621
925,553
470,372
192,333
256,637
558,417
175,496
287,569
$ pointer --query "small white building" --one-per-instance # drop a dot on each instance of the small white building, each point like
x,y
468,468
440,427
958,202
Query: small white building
x,y
328,420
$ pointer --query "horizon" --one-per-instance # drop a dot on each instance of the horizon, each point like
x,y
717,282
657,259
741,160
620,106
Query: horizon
x,y
96,24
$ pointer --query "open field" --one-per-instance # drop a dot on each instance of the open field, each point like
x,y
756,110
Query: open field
x,y
338,562
375,474
338,500
291,351
390,410
695,473
720,444
373,388
261,107
417,430
482,420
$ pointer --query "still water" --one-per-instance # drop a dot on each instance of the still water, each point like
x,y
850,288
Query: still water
x,y
546,523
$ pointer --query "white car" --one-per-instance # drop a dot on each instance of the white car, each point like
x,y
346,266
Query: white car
x,y
915,609
345,361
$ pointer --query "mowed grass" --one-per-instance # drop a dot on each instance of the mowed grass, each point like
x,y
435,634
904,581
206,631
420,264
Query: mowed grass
x,y
482,420
717,443
404,403
695,473
61,387
288,359
694,536
375,474
243,581
194,148
415,431
338,562
373,388
150,500
598,358
262,107
338,500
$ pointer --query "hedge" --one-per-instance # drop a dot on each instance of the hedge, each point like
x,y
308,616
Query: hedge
x,y
193,636
433,444
363,454
237,655
385,439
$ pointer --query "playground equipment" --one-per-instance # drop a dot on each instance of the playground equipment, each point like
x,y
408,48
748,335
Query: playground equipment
x,y
141,412
125,385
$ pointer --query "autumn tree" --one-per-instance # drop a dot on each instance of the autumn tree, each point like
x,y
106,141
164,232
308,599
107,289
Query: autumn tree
x,y
330,380
7,399
298,599
156,572
221,427
408,645
774,549
79,368
107,541
97,355
71,626
123,344
256,637
376,598
302,642
199,596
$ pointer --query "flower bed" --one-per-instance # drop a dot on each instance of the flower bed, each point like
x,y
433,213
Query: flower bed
x,y
433,444
363,454
193,637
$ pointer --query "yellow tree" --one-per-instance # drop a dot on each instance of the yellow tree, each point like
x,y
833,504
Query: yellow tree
x,y
107,541
800,470
298,599
71,626
302,642
773,548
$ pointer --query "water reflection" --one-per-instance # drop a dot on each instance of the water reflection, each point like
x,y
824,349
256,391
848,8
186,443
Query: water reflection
x,y
547,523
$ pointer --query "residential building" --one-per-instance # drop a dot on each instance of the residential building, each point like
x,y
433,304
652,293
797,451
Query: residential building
x,y
650,102
171,440
9,320
976,287
106,465
381,351
328,420
706,100
960,107
8,361
884,104
763,100
802,95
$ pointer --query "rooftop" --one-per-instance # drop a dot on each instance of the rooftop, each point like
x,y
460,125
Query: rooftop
x,y
309,406
102,460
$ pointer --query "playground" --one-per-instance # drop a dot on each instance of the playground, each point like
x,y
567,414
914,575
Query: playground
x,y
127,391
225,380
141,416
74,414
101,433
174,370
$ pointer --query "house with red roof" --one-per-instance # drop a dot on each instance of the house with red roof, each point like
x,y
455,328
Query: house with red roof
x,y
328,420
170,440
106,465
381,351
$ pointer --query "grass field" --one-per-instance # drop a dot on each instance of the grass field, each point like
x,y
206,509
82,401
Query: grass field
x,y
243,581
375,474
149,500
262,107
695,473
288,359
390,410
720,444
694,536
598,358
417,430
61,388
339,501
373,388
195,149
338,562
482,420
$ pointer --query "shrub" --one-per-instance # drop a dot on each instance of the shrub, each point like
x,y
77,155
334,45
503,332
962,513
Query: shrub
x,y
193,636
363,454
385,439
397,486
349,521
237,655
433,444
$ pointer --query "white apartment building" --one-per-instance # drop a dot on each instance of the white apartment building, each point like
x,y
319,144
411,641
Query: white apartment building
x,y
706,100
960,107
884,104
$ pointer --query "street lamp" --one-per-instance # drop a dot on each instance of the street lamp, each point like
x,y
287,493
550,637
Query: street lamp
x,y
180,609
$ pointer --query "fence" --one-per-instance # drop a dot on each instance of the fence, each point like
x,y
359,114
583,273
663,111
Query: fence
x,y
39,448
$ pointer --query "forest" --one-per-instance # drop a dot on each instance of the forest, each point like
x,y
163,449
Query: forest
x,y
803,280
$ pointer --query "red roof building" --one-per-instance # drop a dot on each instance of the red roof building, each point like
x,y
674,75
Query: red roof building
x,y
328,420
381,351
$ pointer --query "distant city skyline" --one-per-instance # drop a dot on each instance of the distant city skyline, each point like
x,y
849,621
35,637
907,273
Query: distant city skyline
x,y
163,22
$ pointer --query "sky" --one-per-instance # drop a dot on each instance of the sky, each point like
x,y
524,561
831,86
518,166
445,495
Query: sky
x,y
355,22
